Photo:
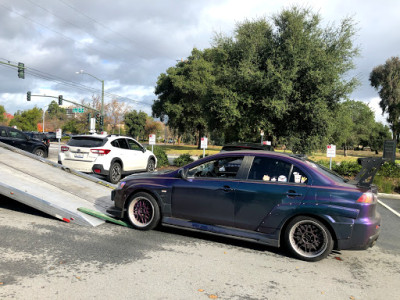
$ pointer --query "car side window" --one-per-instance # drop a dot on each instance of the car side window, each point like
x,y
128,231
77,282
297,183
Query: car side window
x,y
298,176
227,167
17,135
122,143
115,144
270,169
133,145
3,132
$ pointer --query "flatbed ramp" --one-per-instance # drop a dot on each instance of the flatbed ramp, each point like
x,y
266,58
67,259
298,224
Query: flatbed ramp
x,y
50,188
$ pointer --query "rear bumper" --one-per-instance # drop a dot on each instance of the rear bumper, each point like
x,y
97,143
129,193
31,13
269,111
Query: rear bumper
x,y
364,235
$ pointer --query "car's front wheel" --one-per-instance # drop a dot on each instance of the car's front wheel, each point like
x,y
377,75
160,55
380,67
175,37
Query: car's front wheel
x,y
151,165
115,173
39,152
143,211
308,239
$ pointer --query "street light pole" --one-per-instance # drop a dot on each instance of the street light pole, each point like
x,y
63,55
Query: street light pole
x,y
102,91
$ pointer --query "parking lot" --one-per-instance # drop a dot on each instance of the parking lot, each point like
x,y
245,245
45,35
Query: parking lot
x,y
44,258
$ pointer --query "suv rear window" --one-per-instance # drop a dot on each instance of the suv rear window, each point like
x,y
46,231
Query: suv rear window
x,y
86,141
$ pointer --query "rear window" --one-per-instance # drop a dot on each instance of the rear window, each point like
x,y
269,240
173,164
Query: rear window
x,y
331,174
83,141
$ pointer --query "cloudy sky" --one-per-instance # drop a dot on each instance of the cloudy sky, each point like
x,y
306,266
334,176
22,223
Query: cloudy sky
x,y
129,43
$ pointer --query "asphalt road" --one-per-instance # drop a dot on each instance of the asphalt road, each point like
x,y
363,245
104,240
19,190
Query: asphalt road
x,y
44,258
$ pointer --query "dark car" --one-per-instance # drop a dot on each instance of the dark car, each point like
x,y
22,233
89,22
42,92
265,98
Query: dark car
x,y
40,136
268,197
52,136
246,146
18,139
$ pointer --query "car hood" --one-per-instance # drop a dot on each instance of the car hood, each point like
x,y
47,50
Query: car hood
x,y
149,174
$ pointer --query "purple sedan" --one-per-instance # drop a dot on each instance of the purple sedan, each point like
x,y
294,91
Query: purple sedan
x,y
272,198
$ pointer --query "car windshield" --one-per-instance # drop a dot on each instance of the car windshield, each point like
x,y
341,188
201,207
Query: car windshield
x,y
85,141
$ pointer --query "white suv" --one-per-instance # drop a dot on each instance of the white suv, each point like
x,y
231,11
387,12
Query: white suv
x,y
112,156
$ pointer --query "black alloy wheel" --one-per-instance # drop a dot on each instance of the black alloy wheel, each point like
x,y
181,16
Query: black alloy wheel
x,y
308,239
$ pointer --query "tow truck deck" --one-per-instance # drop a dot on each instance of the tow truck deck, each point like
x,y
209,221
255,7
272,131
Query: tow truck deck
x,y
51,188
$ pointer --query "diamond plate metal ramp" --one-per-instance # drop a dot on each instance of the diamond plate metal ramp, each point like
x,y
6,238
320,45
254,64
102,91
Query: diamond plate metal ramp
x,y
50,188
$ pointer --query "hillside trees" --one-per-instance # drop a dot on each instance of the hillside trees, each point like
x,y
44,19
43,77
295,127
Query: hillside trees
x,y
285,77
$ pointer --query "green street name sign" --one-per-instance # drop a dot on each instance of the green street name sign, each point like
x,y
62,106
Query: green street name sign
x,y
78,110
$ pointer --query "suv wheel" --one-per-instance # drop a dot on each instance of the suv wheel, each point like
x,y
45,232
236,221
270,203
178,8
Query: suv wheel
x,y
151,165
115,173
39,152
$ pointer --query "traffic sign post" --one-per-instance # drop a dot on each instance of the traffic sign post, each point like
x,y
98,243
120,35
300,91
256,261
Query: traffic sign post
x,y
330,152
203,145
152,141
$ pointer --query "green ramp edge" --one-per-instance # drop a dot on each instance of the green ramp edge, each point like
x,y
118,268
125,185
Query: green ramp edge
x,y
102,216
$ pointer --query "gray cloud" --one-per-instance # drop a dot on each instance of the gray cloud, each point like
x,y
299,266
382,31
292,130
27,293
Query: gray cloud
x,y
129,43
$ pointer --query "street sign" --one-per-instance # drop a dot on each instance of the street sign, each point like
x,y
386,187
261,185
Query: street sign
x,y
203,144
152,139
58,133
78,110
389,150
331,151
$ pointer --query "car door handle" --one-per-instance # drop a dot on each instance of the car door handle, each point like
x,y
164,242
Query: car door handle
x,y
227,188
293,194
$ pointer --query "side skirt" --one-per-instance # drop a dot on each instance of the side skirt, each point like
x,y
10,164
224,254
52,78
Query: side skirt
x,y
221,231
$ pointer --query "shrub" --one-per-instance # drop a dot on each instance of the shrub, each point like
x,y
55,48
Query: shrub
x,y
347,168
162,159
390,169
182,160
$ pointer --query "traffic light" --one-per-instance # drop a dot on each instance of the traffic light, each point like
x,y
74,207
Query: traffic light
x,y
21,71
60,100
101,120
89,116
28,96
97,118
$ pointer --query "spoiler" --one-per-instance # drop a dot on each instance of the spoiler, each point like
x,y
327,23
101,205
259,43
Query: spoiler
x,y
370,166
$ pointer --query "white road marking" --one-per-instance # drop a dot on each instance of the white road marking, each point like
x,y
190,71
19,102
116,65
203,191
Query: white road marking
x,y
389,208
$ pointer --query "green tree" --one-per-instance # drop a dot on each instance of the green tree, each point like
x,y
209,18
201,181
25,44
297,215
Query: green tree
x,y
55,111
183,93
2,115
284,77
27,120
378,136
136,122
386,79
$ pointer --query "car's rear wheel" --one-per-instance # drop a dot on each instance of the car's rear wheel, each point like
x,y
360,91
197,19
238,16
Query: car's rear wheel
x,y
151,165
115,173
39,152
143,211
308,239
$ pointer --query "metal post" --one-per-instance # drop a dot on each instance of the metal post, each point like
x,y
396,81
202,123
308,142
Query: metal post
x,y
102,102
330,163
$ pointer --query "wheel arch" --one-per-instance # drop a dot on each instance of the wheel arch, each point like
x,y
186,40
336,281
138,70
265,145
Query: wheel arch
x,y
118,160
142,190
320,218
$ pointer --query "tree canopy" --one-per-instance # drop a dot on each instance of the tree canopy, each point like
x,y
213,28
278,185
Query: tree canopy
x,y
27,120
386,79
136,122
284,76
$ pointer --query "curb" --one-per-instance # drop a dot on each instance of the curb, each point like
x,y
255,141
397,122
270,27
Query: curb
x,y
389,196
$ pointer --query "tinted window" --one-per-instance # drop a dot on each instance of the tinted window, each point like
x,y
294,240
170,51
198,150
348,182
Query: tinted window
x,y
83,141
123,144
3,132
17,135
270,169
227,167
133,145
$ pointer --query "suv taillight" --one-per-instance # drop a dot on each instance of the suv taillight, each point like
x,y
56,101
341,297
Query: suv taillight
x,y
64,148
100,151
366,198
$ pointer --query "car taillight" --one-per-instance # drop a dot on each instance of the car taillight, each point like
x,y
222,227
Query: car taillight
x,y
366,198
100,151
64,148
